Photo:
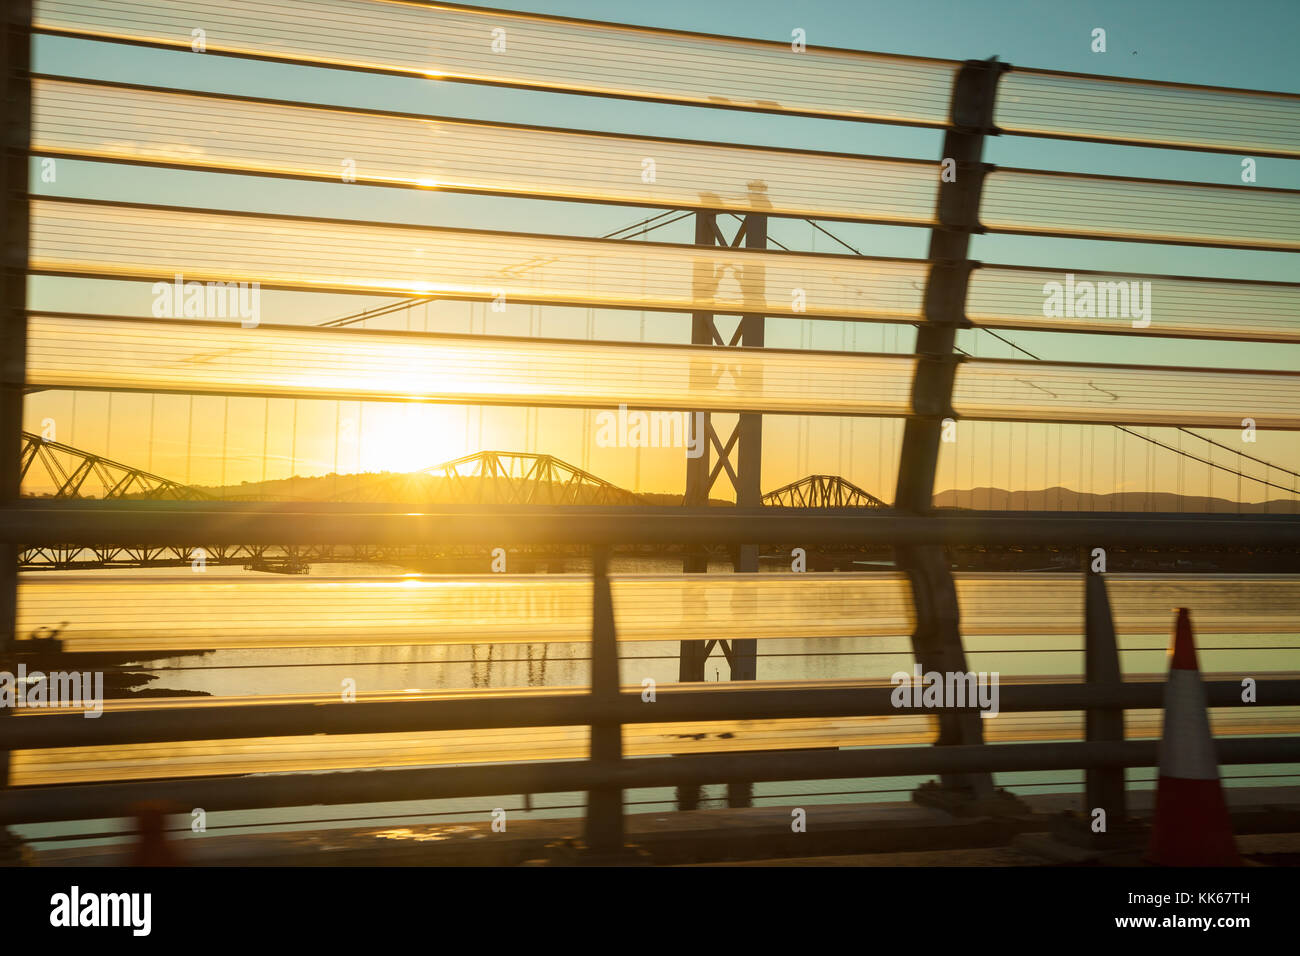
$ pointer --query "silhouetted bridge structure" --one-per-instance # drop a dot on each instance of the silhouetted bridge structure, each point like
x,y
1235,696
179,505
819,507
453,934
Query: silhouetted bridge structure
x,y
486,478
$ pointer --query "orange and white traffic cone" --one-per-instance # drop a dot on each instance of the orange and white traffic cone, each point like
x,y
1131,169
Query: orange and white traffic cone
x,y
1191,826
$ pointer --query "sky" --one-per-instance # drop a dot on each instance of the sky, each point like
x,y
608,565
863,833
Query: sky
x,y
215,440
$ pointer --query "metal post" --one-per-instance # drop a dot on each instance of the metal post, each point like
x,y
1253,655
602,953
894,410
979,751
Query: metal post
x,y
937,642
604,829
15,102
1104,787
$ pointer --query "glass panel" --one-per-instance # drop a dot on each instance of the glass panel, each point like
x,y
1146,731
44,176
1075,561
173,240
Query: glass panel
x,y
1043,391
443,42
211,357
1150,113
162,243
1003,297
1088,207
105,122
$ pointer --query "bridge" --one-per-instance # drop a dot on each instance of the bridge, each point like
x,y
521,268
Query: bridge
x,y
80,474
501,478
739,267
485,478
822,491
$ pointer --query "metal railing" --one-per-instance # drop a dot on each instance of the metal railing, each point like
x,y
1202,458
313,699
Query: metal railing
x,y
44,236
605,709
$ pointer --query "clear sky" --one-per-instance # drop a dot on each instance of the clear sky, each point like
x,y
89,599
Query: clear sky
x,y
209,440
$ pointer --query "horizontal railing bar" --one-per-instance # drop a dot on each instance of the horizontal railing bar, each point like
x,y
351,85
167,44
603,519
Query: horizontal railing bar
x,y
43,804
149,242
313,611
631,63
217,610
133,124
189,524
1087,393
1120,81
1128,209
793,151
288,361
598,243
1000,297
34,730
1058,271
291,361
456,44
1017,297
1152,113
614,347
108,239
265,138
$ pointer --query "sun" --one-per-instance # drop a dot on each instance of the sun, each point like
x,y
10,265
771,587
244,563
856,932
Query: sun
x,y
408,437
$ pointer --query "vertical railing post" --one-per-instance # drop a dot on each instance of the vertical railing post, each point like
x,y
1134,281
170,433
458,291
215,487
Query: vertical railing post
x,y
937,641
15,148
15,126
1104,786
604,826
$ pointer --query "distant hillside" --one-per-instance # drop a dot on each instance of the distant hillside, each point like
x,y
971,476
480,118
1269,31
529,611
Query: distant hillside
x,y
400,488
1064,499
388,487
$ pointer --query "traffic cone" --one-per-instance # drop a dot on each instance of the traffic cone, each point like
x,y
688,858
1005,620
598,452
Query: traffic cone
x,y
1191,826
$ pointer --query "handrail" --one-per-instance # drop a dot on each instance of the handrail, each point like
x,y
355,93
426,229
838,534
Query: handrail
x,y
99,801
34,730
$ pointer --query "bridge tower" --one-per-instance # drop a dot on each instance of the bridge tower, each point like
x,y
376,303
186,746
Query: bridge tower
x,y
740,456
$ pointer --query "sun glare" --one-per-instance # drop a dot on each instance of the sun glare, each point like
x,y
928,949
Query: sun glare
x,y
404,438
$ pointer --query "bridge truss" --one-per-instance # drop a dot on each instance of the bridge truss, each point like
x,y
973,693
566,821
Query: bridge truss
x,y
822,491
79,474
504,478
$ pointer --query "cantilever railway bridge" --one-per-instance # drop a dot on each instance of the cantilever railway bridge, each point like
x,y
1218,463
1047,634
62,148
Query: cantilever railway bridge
x,y
487,478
